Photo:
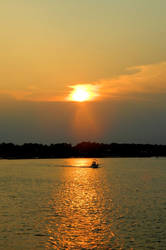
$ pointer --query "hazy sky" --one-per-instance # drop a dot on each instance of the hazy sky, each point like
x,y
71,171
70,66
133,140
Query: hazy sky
x,y
48,46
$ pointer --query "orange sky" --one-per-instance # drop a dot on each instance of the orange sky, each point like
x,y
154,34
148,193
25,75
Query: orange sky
x,y
48,48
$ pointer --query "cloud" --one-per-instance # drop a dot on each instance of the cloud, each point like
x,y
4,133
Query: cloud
x,y
35,94
140,82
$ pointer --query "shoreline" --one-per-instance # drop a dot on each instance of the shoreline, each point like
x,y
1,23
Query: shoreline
x,y
75,157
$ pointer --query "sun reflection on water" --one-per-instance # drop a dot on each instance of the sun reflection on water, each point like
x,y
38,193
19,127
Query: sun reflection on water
x,y
79,162
77,221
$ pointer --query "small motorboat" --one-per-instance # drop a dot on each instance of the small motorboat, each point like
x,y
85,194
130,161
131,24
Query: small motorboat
x,y
94,164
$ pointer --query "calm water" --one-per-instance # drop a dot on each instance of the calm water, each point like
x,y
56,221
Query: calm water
x,y
64,204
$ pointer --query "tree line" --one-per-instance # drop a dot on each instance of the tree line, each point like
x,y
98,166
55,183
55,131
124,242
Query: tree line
x,y
83,149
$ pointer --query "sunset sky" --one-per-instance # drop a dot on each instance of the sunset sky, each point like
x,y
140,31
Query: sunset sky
x,y
114,49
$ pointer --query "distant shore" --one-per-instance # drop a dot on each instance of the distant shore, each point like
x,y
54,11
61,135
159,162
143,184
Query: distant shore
x,y
123,157
81,150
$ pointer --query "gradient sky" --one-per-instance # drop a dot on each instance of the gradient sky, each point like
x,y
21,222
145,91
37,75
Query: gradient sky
x,y
48,46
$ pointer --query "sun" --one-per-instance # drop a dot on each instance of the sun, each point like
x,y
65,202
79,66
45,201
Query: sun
x,y
82,93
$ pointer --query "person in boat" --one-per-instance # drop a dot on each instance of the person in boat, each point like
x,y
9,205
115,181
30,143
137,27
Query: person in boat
x,y
94,164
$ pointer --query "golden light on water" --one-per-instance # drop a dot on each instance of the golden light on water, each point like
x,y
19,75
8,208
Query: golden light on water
x,y
79,162
78,220
83,93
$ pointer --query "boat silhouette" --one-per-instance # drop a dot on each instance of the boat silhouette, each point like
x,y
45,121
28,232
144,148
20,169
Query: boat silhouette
x,y
94,164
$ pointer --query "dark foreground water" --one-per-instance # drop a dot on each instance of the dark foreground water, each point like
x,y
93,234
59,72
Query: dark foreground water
x,y
64,204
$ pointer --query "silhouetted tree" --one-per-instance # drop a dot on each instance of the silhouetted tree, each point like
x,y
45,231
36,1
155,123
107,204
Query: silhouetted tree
x,y
83,149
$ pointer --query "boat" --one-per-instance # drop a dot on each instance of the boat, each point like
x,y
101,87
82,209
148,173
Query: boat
x,y
94,164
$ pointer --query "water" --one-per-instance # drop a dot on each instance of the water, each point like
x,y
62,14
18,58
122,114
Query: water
x,y
64,204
